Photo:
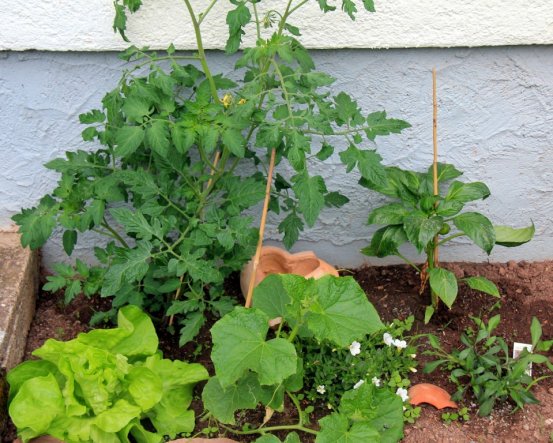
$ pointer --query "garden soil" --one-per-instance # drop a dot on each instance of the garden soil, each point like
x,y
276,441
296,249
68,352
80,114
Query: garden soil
x,y
526,291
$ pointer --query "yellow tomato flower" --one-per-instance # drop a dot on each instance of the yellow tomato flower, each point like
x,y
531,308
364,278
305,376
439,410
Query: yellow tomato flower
x,y
226,100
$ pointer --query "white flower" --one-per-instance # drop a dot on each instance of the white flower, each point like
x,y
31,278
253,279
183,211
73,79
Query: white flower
x,y
355,348
413,370
321,389
413,356
400,344
376,381
402,393
358,384
388,339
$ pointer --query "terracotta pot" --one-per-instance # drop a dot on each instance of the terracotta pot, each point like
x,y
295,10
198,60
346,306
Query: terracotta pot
x,y
431,394
275,260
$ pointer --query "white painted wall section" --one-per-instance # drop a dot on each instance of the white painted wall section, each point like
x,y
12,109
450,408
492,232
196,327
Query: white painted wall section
x,y
85,25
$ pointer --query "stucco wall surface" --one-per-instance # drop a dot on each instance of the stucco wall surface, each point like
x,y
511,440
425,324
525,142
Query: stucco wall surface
x,y
495,123
85,25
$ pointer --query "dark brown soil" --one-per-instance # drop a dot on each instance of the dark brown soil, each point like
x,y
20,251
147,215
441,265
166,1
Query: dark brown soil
x,y
526,289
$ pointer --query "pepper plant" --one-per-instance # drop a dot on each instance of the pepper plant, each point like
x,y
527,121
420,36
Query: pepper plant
x,y
254,365
165,177
425,220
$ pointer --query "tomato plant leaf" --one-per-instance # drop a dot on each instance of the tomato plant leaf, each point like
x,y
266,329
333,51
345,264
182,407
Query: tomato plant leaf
x,y
379,124
128,139
310,192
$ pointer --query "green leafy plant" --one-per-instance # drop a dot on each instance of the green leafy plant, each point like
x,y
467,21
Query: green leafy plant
x,y
172,175
485,367
108,385
256,366
461,415
374,360
425,220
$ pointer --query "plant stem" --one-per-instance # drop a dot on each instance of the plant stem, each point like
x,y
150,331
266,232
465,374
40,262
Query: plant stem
x,y
298,6
409,262
273,428
115,234
451,237
257,25
298,407
294,332
431,265
201,51
204,14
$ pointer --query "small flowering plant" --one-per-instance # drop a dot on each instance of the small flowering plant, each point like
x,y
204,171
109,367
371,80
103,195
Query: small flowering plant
x,y
384,359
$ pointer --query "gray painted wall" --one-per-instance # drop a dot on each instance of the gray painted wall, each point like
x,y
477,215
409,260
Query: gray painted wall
x,y
495,123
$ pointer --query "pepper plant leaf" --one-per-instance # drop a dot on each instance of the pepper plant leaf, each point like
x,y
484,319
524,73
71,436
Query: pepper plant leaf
x,y
444,284
240,345
391,214
478,228
466,192
482,284
386,241
511,237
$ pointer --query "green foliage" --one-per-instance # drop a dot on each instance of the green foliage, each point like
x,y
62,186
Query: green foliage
x,y
162,181
254,365
102,385
461,415
424,220
365,414
338,370
485,367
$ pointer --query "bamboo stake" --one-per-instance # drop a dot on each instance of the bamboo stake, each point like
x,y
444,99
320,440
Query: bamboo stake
x,y
215,161
261,229
435,143
177,293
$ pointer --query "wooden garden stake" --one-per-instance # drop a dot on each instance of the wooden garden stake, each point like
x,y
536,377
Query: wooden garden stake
x,y
177,294
435,143
261,229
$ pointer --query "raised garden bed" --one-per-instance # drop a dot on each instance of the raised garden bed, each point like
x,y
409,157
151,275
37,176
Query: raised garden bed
x,y
526,290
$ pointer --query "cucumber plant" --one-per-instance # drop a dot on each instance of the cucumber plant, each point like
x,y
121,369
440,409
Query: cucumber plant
x,y
164,178
426,220
254,365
